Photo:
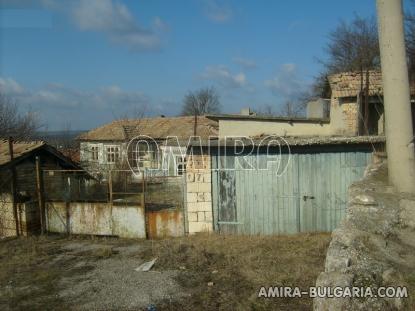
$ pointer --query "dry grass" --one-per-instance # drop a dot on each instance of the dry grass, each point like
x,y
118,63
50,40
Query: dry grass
x,y
31,269
238,266
21,284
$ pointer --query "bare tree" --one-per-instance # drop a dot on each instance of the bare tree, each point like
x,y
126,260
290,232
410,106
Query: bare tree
x,y
15,124
291,108
266,111
353,46
410,41
200,102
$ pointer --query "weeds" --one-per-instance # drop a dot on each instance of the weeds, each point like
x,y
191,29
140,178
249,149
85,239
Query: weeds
x,y
219,272
226,272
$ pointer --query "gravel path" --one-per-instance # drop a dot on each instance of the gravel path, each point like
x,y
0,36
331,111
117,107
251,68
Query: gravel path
x,y
112,283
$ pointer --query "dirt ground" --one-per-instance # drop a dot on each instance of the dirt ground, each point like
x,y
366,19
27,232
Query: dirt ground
x,y
204,272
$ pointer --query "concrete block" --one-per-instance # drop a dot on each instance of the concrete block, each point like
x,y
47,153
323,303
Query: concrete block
x,y
205,187
191,216
199,207
192,207
192,187
200,197
191,197
208,216
200,216
207,177
195,227
208,197
206,206
190,177
198,177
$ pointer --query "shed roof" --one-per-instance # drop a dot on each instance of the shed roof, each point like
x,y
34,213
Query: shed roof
x,y
156,128
347,84
23,149
268,118
293,141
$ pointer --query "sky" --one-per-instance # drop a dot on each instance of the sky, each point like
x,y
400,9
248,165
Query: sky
x,y
82,63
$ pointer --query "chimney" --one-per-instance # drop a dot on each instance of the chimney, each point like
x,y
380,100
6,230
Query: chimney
x,y
247,112
318,109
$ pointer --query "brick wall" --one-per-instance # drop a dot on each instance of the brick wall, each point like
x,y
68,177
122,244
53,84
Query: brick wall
x,y
343,116
199,193
349,111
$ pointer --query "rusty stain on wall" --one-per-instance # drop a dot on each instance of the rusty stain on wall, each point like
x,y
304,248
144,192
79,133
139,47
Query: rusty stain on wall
x,y
96,219
165,223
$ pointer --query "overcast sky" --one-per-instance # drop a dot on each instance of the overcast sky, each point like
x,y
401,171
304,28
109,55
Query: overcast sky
x,y
85,62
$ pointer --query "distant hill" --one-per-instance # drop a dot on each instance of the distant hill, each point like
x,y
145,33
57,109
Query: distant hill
x,y
54,134
59,138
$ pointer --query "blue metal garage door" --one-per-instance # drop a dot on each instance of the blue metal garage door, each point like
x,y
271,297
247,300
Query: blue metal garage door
x,y
306,192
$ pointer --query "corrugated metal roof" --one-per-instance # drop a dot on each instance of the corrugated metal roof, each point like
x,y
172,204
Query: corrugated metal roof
x,y
157,128
24,148
19,149
293,141
267,118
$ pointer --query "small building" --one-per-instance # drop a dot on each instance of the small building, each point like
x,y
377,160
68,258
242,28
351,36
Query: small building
x,y
240,125
24,196
340,112
157,142
347,104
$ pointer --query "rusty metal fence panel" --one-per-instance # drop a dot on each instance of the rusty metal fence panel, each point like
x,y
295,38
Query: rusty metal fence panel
x,y
164,201
118,187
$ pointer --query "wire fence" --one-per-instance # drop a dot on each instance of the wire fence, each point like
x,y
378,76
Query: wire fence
x,y
115,187
73,186
164,192
25,213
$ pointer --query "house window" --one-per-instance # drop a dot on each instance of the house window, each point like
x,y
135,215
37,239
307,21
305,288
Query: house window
x,y
94,153
144,156
113,154
181,165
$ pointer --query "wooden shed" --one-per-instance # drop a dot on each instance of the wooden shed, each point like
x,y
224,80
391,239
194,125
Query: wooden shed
x,y
19,183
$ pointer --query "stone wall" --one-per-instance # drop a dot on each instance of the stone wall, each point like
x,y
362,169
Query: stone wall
x,y
350,113
27,214
199,193
343,116
373,247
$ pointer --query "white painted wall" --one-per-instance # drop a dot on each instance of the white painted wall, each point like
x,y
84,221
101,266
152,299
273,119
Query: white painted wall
x,y
96,219
232,127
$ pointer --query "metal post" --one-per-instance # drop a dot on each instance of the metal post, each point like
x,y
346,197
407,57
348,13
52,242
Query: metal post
x,y
39,189
14,186
110,198
143,189
398,117
366,107
146,215
110,186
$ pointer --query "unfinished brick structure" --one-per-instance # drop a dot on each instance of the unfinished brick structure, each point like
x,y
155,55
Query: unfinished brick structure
x,y
344,89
